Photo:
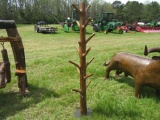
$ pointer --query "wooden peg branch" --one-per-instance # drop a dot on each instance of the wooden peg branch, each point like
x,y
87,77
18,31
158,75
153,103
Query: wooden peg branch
x,y
79,91
88,20
78,23
75,90
89,62
77,49
88,76
78,70
76,8
75,64
90,38
79,43
88,7
88,84
86,52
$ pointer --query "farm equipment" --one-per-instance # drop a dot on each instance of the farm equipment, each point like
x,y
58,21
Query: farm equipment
x,y
67,24
42,27
152,27
70,22
107,24
75,17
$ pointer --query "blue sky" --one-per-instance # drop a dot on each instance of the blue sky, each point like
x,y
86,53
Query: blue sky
x,y
140,1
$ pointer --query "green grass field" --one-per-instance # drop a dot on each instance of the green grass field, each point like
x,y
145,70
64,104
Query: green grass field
x,y
51,78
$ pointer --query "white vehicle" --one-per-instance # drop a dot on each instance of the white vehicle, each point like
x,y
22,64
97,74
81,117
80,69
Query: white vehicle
x,y
141,23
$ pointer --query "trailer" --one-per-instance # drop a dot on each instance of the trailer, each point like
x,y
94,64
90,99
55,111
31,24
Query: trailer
x,y
42,27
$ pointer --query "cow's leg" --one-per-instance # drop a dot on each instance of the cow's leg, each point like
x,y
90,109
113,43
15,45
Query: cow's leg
x,y
111,66
138,89
107,73
126,75
118,72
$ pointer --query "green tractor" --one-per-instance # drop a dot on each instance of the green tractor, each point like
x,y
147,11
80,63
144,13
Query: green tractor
x,y
75,17
71,22
106,23
67,24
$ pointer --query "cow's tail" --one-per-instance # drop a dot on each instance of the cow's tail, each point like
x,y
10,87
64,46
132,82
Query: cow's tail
x,y
106,63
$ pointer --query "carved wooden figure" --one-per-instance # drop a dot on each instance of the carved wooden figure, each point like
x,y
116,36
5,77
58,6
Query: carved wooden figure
x,y
18,52
145,71
82,55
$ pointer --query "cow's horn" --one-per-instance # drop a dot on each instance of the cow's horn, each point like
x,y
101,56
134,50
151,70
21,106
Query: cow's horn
x,y
150,50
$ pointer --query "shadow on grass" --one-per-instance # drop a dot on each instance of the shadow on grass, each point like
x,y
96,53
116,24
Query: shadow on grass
x,y
12,102
147,92
127,80
117,107
45,33
116,32
78,32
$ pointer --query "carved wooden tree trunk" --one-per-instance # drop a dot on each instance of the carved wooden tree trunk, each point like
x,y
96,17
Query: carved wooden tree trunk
x,y
82,55
82,51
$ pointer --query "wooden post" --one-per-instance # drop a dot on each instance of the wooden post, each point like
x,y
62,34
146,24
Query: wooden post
x,y
18,52
82,55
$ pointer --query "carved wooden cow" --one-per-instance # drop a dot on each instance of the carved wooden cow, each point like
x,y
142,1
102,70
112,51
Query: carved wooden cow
x,y
145,71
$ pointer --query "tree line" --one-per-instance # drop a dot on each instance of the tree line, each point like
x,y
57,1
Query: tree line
x,y
30,11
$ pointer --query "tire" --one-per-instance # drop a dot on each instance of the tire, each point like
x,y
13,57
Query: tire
x,y
120,31
37,30
106,31
95,28
66,28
